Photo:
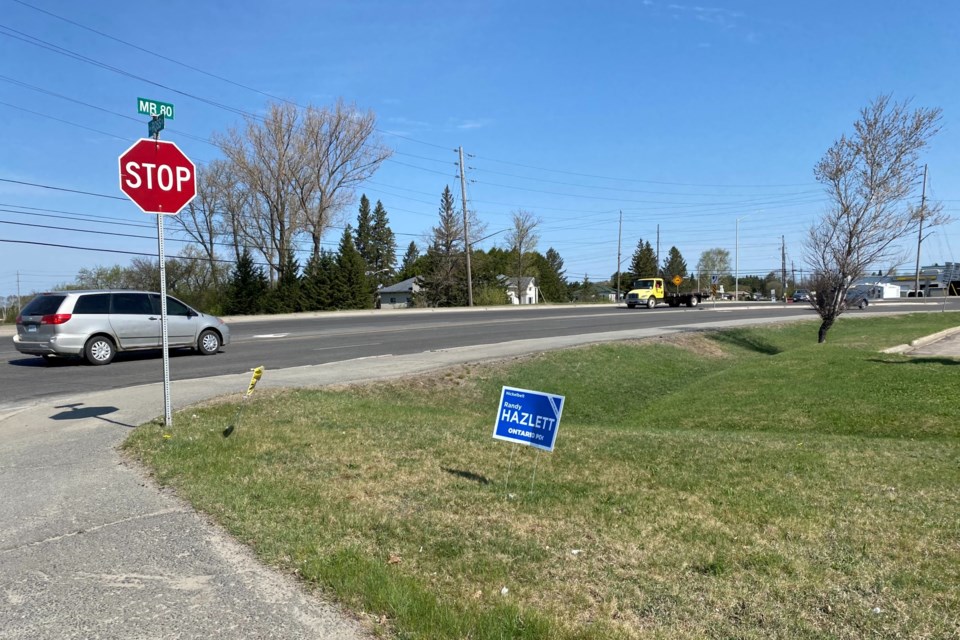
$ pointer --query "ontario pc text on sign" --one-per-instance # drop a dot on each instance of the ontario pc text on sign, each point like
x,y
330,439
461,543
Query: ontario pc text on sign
x,y
528,417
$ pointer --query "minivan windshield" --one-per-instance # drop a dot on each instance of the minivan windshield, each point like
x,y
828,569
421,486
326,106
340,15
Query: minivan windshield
x,y
42,306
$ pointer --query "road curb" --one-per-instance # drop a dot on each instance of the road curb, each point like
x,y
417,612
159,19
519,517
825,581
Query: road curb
x,y
923,341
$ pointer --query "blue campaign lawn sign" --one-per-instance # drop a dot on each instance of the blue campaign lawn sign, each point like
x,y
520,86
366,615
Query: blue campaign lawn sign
x,y
528,417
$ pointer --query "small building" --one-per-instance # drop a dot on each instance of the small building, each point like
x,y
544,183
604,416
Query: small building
x,y
883,291
935,280
603,292
528,290
399,295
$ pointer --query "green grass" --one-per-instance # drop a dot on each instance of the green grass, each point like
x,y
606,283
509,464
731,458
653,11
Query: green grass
x,y
746,484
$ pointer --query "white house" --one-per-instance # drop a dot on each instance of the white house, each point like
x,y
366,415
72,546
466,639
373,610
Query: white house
x,y
528,290
399,295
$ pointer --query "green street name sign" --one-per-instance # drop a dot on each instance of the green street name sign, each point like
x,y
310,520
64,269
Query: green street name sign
x,y
149,107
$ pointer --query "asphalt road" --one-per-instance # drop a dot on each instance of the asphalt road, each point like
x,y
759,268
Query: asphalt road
x,y
285,341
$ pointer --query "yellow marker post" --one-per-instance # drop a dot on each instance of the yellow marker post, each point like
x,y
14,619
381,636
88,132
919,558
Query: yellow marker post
x,y
257,373
254,379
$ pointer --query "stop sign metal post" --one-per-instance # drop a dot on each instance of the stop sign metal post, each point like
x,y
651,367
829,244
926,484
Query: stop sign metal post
x,y
160,179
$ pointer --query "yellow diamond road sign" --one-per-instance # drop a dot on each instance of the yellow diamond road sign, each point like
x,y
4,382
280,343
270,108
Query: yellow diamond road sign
x,y
677,280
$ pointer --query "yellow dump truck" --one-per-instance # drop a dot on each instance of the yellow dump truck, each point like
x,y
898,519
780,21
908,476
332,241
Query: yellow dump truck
x,y
650,292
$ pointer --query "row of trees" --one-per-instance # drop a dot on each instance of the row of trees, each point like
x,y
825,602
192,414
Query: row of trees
x,y
349,277
443,268
366,261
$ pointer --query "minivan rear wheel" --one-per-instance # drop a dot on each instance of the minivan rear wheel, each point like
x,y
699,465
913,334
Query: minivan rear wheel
x,y
208,343
99,350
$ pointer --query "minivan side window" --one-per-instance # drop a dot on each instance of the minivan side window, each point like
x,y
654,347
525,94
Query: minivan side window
x,y
42,306
132,304
174,306
97,303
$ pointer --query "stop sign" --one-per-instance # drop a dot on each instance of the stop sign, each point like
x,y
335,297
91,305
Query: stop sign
x,y
157,176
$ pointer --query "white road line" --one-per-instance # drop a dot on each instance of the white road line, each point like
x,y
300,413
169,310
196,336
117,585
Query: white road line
x,y
347,346
272,335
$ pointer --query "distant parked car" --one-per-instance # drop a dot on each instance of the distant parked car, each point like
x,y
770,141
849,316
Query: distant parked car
x,y
801,295
856,298
95,325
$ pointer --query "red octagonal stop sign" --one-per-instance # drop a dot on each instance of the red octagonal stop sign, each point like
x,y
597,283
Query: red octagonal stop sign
x,y
157,176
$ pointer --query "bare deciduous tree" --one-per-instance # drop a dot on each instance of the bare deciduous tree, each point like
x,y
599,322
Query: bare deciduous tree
x,y
204,219
522,239
297,169
868,177
343,150
265,157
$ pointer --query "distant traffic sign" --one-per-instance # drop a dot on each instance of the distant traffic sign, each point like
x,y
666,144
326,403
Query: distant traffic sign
x,y
528,417
677,280
148,107
155,126
157,176
715,278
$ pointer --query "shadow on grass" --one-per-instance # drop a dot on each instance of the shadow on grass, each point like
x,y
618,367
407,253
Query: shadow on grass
x,y
943,361
466,475
745,339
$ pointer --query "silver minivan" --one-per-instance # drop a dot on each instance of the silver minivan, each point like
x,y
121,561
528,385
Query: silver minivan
x,y
95,325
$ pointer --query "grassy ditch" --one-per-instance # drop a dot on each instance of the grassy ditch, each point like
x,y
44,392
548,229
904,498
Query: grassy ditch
x,y
747,484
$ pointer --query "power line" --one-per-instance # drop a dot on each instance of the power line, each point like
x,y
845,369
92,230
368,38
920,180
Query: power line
x,y
45,186
103,34
622,190
69,213
72,124
31,87
640,181
43,44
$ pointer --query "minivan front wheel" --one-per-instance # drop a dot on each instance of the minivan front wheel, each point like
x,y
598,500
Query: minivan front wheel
x,y
99,350
208,343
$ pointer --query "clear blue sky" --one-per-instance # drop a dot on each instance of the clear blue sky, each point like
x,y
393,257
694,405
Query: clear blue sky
x,y
686,116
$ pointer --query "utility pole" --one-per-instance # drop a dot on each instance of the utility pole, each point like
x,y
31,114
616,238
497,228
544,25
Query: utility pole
x,y
783,265
466,232
619,235
793,273
18,293
923,204
658,250
736,262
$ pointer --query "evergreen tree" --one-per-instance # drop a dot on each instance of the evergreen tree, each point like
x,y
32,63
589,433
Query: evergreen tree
x,y
444,276
408,267
498,261
351,288
383,253
286,296
553,286
644,262
674,265
364,236
247,287
626,282
587,291
317,281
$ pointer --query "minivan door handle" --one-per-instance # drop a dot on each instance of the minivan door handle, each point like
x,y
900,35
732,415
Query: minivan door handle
x,y
153,318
